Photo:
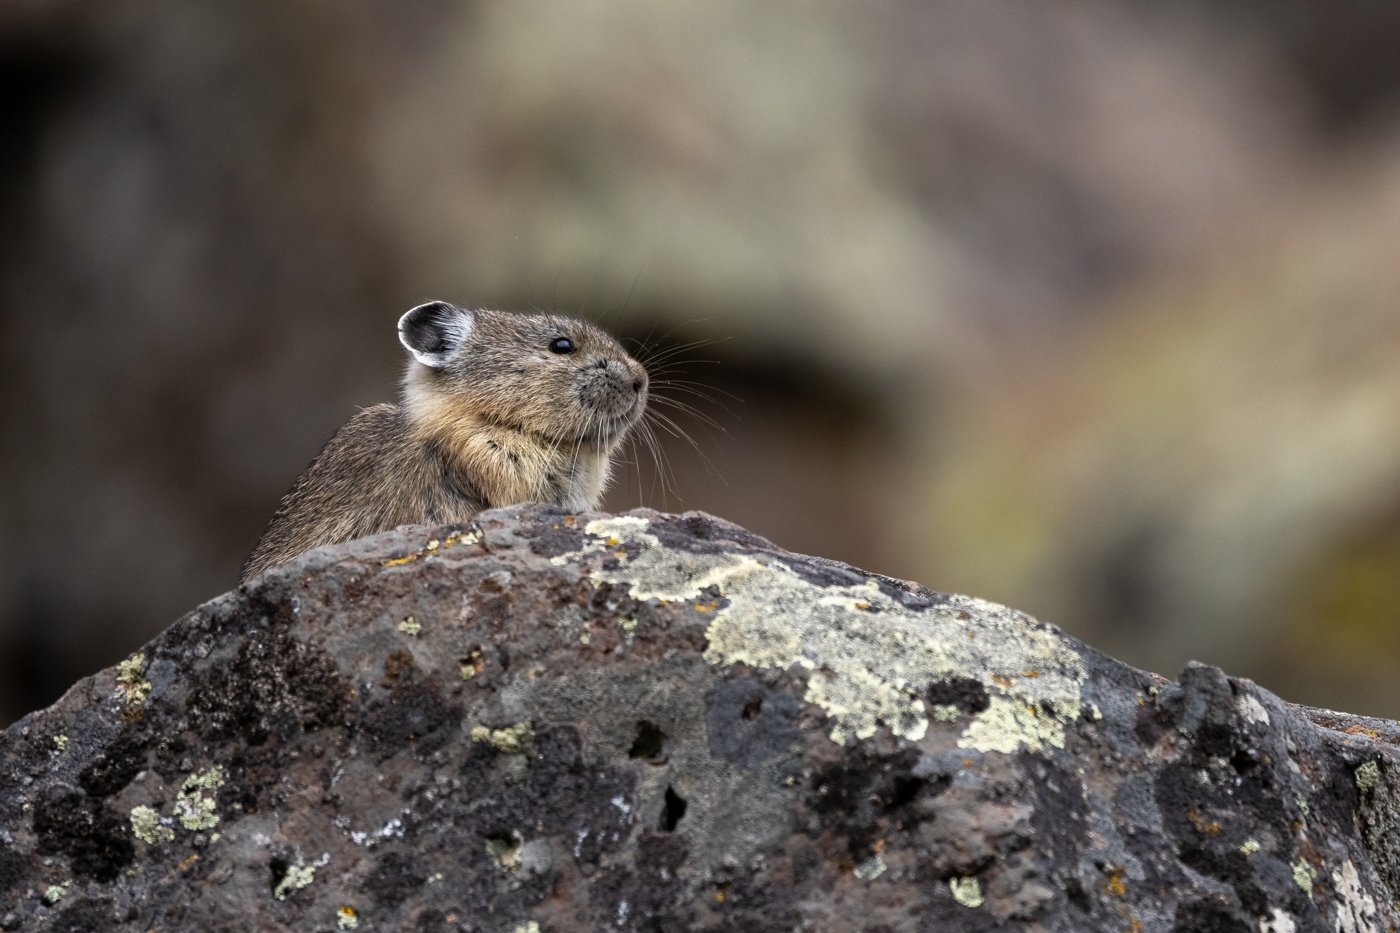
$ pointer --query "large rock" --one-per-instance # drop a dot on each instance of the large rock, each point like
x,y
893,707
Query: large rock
x,y
654,722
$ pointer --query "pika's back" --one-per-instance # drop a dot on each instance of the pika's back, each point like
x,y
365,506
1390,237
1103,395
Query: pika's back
x,y
497,408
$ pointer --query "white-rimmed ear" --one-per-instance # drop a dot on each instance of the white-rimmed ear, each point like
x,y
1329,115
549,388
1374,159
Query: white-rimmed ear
x,y
435,331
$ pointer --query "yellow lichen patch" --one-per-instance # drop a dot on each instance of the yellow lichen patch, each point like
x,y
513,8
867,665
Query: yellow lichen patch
x,y
1007,724
296,878
346,918
1249,846
132,686
966,891
1114,884
870,655
194,805
506,850
860,701
512,739
434,546
1304,876
410,626
1368,773
945,712
60,743
147,825
474,663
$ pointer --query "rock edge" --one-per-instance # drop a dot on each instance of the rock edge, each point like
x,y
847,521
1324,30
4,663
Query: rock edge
x,y
542,721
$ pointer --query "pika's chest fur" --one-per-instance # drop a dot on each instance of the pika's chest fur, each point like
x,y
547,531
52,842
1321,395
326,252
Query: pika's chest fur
x,y
497,409
507,464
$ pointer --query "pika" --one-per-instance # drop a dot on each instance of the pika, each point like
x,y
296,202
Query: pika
x,y
497,408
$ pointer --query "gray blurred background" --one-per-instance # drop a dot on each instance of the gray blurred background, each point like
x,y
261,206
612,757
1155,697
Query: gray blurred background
x,y
1089,308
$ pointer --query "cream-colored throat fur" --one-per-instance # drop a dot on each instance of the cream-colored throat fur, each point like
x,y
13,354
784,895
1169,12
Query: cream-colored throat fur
x,y
506,464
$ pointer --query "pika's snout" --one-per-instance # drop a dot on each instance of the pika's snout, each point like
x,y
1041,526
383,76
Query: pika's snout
x,y
613,392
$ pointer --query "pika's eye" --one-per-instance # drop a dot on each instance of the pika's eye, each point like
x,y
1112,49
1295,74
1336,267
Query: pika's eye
x,y
561,345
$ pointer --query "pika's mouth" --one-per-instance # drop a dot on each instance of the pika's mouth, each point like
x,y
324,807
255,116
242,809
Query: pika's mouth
x,y
613,426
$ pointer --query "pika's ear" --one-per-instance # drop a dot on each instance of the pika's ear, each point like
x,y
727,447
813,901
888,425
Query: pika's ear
x,y
435,331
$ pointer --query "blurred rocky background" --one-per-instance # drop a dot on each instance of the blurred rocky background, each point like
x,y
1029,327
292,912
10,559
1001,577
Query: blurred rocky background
x,y
1090,308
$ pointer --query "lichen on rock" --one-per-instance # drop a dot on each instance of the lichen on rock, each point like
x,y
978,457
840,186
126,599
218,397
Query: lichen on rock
x,y
874,652
651,721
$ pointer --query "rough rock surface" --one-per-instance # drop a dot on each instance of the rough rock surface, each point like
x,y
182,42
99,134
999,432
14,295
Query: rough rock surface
x,y
654,722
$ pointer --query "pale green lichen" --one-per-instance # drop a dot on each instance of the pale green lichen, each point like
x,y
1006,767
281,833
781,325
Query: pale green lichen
x,y
1249,846
194,805
945,712
410,626
512,739
60,743
346,918
132,686
506,850
966,891
529,926
1007,723
1368,774
147,825
1304,876
296,878
871,868
56,892
869,655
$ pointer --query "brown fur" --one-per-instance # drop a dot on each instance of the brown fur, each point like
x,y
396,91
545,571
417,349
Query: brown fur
x,y
499,420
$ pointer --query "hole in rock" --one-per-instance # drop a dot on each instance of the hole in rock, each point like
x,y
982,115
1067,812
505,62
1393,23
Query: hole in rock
x,y
279,867
903,791
649,744
753,708
673,811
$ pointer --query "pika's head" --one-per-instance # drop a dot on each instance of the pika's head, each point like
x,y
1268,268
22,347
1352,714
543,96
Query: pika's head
x,y
555,377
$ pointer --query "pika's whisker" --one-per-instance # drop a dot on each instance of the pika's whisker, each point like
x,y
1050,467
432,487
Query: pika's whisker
x,y
497,409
